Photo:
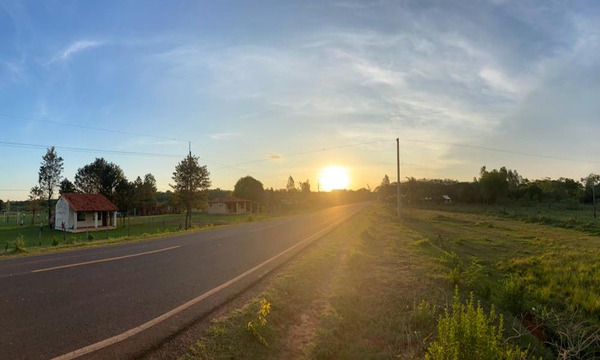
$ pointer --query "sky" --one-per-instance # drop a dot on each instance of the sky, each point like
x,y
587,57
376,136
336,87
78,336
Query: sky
x,y
277,88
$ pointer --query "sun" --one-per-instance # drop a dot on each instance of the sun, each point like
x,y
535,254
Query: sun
x,y
334,178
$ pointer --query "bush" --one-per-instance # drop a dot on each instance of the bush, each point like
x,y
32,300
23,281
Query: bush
x,y
54,241
90,237
514,294
466,332
20,244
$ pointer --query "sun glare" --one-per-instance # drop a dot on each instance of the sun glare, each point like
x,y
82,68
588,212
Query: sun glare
x,y
334,178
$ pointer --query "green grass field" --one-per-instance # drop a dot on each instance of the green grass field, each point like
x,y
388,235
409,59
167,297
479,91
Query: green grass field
x,y
132,227
374,289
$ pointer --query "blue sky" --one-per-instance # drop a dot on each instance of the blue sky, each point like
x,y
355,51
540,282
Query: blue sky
x,y
262,87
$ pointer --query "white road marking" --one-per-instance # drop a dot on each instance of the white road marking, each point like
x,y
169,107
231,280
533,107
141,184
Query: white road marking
x,y
104,260
127,334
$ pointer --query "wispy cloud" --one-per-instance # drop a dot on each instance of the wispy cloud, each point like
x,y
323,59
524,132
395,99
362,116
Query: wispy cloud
x,y
74,48
224,136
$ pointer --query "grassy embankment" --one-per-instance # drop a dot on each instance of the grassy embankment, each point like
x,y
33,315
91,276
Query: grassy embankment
x,y
128,229
374,288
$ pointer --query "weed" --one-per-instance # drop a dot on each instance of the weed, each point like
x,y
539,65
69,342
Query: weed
x,y
72,240
255,328
54,241
467,332
20,244
90,237
514,294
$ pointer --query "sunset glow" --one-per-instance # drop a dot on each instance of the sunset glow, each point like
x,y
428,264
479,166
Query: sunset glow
x,y
334,178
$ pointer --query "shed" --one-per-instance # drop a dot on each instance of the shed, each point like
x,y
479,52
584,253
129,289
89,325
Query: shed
x,y
230,206
85,212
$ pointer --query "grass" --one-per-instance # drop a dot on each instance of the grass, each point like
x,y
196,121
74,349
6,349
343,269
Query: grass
x,y
381,286
133,228
565,215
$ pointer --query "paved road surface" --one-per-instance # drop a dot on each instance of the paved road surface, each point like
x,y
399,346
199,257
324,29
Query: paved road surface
x,y
53,304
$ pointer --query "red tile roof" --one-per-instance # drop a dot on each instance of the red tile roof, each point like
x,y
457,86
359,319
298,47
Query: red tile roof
x,y
228,200
89,202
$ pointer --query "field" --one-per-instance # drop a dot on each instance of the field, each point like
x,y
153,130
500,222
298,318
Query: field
x,y
132,227
375,289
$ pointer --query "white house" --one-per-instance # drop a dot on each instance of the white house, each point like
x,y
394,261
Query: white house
x,y
85,212
229,206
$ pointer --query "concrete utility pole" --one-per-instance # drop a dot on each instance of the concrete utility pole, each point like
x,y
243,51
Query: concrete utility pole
x,y
398,176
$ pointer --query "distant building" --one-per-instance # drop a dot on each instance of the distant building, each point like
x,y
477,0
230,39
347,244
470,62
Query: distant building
x,y
447,199
230,206
85,212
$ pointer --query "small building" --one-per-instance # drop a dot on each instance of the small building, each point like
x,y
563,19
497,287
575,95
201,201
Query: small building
x,y
85,212
447,199
230,206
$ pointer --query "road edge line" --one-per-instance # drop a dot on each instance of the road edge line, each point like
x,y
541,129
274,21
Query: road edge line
x,y
138,329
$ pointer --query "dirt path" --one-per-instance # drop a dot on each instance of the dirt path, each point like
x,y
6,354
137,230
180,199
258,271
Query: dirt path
x,y
300,336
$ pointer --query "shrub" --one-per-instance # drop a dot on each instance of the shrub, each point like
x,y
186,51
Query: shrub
x,y
20,244
255,327
90,237
514,294
54,241
466,332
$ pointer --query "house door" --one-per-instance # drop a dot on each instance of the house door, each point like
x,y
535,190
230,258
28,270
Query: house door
x,y
104,218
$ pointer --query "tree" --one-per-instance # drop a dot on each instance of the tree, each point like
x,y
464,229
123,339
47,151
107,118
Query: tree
x,y
33,204
385,181
291,184
66,187
124,196
590,181
99,177
305,186
494,184
49,176
191,185
249,188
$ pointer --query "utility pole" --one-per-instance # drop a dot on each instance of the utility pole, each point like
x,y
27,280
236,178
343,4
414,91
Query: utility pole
x,y
398,176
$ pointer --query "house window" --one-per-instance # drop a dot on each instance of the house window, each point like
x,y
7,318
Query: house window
x,y
80,216
99,216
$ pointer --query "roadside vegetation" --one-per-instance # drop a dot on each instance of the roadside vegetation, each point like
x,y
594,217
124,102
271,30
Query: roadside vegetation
x,y
15,238
434,284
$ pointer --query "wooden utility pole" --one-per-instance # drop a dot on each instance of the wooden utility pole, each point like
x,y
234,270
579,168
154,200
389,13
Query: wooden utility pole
x,y
398,177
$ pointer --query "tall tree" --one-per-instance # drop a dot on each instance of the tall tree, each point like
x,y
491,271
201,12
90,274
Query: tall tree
x,y
49,176
149,193
291,184
590,181
66,187
191,185
124,196
249,188
33,203
494,184
305,186
99,177
385,181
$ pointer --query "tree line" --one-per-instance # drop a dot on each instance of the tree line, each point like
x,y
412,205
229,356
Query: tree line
x,y
492,187
191,182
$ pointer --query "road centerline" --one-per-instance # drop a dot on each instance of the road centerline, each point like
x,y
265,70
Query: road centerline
x,y
104,260
136,330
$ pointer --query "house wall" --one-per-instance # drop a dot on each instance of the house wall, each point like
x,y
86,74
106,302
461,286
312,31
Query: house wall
x,y
89,221
217,208
240,208
63,213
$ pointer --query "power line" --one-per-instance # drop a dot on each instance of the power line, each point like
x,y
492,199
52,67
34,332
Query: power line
x,y
106,151
512,152
90,127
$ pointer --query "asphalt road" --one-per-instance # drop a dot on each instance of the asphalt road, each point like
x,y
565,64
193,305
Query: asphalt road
x,y
54,304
